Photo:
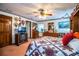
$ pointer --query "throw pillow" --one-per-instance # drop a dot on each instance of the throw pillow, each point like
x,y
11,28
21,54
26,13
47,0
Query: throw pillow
x,y
67,38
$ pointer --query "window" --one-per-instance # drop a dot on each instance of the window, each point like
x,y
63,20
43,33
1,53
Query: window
x,y
40,27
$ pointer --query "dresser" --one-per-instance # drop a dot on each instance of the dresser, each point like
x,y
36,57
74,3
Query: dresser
x,y
50,34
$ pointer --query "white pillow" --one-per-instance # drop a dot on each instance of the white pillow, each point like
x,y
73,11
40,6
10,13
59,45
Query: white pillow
x,y
74,44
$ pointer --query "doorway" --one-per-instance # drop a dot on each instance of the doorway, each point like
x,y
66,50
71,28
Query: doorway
x,y
28,29
5,30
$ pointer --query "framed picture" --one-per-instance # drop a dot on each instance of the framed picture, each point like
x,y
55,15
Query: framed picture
x,y
64,24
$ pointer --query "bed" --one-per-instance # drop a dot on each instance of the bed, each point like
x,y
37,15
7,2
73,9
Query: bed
x,y
52,46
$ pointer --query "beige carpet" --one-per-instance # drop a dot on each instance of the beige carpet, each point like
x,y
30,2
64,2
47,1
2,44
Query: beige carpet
x,y
13,50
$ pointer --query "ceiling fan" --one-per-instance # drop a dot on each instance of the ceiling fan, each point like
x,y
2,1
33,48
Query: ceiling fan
x,y
42,12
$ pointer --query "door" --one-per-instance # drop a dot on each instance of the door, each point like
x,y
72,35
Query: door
x,y
5,30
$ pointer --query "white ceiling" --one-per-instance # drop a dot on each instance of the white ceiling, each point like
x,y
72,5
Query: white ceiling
x,y
26,9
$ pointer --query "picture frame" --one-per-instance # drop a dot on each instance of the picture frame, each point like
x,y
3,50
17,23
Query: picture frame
x,y
64,25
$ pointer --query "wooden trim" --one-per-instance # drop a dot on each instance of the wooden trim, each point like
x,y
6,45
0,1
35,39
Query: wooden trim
x,y
11,32
30,30
4,16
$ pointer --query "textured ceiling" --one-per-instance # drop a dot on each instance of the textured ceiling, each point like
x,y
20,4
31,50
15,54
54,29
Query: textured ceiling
x,y
27,9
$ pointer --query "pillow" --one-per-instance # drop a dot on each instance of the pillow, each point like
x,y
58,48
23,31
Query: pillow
x,y
76,35
74,44
67,38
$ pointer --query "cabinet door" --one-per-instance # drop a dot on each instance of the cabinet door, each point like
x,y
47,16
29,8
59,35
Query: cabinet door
x,y
5,32
77,25
74,24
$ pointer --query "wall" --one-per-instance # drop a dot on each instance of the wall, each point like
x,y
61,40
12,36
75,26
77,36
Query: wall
x,y
58,30
56,15
13,16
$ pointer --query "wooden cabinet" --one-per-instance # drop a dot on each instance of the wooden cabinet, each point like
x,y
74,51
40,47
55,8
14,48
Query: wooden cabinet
x,y
20,38
5,30
75,20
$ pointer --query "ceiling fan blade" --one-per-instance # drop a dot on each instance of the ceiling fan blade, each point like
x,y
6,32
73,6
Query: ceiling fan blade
x,y
49,14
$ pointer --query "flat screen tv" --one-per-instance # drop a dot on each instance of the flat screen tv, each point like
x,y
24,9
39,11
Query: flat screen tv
x,y
64,25
22,30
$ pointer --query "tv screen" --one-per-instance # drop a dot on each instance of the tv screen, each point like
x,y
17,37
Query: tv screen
x,y
22,29
64,24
